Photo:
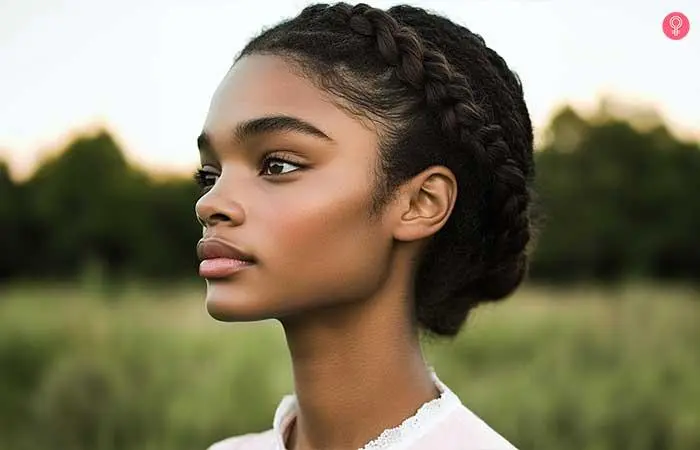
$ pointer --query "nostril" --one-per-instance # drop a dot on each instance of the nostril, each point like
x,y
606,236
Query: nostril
x,y
211,220
218,217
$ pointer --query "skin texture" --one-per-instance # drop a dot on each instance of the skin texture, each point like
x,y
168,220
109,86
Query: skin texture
x,y
339,283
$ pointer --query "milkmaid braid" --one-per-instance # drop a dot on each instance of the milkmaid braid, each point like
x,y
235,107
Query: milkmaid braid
x,y
441,97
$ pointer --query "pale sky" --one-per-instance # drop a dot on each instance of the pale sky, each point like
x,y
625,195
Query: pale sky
x,y
147,68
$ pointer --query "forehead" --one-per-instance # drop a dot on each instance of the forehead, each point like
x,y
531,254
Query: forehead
x,y
263,85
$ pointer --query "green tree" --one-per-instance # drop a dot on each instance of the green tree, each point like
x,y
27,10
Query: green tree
x,y
619,202
12,212
80,203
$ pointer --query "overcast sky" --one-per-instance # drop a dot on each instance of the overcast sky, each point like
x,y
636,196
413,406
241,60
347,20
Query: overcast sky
x,y
147,68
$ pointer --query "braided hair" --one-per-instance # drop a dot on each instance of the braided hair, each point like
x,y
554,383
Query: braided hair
x,y
439,96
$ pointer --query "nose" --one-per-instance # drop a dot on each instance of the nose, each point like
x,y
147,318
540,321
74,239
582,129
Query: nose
x,y
214,208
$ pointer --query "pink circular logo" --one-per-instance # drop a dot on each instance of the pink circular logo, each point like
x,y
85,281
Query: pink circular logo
x,y
676,25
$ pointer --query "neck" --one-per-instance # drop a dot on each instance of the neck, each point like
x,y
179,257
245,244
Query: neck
x,y
358,370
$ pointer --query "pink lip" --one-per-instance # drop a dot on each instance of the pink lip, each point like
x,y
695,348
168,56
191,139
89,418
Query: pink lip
x,y
222,267
213,247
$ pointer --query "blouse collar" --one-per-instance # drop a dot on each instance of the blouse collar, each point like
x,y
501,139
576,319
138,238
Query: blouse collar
x,y
410,430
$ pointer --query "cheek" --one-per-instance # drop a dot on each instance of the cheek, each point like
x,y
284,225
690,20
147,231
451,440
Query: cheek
x,y
325,246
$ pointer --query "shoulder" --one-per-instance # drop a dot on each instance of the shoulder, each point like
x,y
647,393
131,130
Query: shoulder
x,y
252,441
466,427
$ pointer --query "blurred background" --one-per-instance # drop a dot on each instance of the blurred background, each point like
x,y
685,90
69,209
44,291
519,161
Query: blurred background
x,y
104,340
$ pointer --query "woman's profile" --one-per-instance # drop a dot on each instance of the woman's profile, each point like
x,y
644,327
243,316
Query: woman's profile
x,y
365,179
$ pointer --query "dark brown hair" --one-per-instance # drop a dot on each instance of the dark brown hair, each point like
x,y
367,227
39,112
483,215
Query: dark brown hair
x,y
440,97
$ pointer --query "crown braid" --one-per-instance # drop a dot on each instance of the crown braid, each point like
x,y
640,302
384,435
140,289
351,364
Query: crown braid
x,y
480,254
449,92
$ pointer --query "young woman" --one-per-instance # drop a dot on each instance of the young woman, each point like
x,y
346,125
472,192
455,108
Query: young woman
x,y
365,179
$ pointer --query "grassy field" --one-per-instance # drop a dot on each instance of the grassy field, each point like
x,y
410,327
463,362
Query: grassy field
x,y
147,369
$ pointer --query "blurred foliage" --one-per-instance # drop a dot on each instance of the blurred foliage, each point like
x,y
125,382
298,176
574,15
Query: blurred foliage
x,y
590,369
88,210
618,203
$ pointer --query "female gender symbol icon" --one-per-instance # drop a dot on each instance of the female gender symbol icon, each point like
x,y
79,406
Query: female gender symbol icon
x,y
676,25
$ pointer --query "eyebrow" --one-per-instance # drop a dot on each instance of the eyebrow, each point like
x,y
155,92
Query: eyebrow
x,y
265,125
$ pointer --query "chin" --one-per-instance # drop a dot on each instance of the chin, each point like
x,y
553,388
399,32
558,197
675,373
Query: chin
x,y
226,305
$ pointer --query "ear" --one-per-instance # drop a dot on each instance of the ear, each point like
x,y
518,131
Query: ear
x,y
425,203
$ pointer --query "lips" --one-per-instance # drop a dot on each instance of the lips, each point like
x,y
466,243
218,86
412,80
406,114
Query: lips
x,y
213,248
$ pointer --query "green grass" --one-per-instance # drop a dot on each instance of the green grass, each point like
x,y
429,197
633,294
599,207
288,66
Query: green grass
x,y
145,368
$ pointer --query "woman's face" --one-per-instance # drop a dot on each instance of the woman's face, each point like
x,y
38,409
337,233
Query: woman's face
x,y
306,221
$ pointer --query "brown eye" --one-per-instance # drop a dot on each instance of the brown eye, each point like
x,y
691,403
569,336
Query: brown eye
x,y
277,166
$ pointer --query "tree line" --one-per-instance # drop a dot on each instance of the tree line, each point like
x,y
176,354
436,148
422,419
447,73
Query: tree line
x,y
617,202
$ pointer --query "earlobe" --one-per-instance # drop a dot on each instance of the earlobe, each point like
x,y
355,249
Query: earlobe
x,y
429,200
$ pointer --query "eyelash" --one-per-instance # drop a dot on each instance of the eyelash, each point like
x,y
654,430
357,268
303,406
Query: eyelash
x,y
201,176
